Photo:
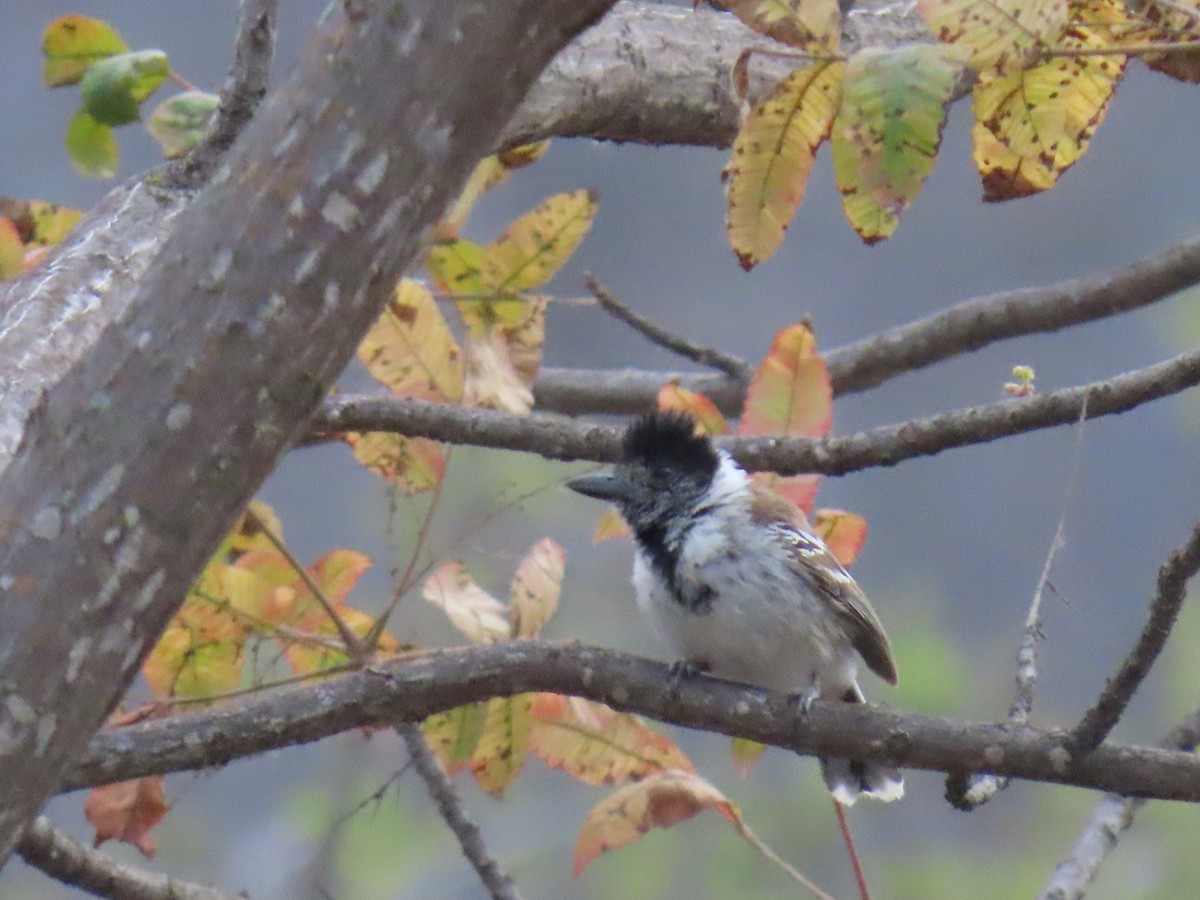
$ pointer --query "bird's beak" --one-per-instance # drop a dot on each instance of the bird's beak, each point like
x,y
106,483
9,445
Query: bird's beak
x,y
601,485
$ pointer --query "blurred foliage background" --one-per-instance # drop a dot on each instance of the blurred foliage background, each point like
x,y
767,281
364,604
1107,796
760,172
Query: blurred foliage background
x,y
955,548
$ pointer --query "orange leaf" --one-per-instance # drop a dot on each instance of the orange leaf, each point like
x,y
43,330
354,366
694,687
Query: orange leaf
x,y
675,397
598,745
126,811
413,465
471,609
305,658
201,650
610,527
658,801
843,533
502,746
535,588
790,392
800,489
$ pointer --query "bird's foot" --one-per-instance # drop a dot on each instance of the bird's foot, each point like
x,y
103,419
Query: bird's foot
x,y
803,701
682,670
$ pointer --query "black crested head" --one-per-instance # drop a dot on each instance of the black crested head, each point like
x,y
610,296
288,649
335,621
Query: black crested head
x,y
667,442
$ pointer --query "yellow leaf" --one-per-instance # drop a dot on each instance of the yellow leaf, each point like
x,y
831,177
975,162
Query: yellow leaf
x,y
610,527
410,348
306,658
1174,20
491,379
471,609
489,172
746,754
598,745
709,419
534,247
889,129
773,155
412,464
1006,175
72,43
12,251
999,34
790,392
454,734
1048,113
523,337
502,746
658,801
39,223
811,25
536,587
200,652
247,535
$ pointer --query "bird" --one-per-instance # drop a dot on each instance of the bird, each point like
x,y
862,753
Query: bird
x,y
738,584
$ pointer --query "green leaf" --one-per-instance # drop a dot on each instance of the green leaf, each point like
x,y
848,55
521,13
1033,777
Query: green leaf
x,y
179,124
114,88
92,146
71,44
887,135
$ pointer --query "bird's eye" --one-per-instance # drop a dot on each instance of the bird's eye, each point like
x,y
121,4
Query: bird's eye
x,y
661,473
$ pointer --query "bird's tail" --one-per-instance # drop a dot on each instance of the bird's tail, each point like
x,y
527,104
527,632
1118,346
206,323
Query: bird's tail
x,y
847,779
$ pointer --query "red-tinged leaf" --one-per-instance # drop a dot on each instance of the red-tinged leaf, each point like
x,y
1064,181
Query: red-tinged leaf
x,y
790,392
534,247
536,587
413,465
73,43
658,801
610,527
338,571
675,397
454,734
811,25
598,745
12,251
471,609
773,155
503,745
800,489
844,533
91,146
1005,174
410,350
39,223
126,811
746,754
492,381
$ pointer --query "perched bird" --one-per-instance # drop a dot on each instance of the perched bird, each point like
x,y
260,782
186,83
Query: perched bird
x,y
739,585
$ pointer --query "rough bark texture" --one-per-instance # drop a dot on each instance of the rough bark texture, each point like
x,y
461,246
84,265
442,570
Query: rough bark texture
x,y
134,462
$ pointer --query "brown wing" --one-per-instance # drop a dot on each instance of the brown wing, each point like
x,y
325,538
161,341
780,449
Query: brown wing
x,y
820,568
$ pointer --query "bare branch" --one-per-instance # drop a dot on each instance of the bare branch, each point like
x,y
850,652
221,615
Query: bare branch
x,y
412,688
65,859
968,326
970,793
449,804
556,437
1110,819
244,88
1173,577
705,356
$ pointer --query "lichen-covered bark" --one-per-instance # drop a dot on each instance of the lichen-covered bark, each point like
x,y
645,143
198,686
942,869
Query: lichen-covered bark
x,y
135,461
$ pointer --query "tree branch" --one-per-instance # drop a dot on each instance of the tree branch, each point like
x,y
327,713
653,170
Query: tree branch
x,y
499,885
1173,577
412,688
1111,818
148,441
867,363
559,438
65,859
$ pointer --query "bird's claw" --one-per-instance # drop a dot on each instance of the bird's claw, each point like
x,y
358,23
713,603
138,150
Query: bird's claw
x,y
682,670
803,701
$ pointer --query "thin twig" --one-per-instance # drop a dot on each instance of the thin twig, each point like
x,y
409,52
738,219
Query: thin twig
x,y
1150,47
656,334
355,648
445,797
1109,820
421,684
970,325
65,859
1173,577
555,437
860,877
972,792
245,86
765,851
